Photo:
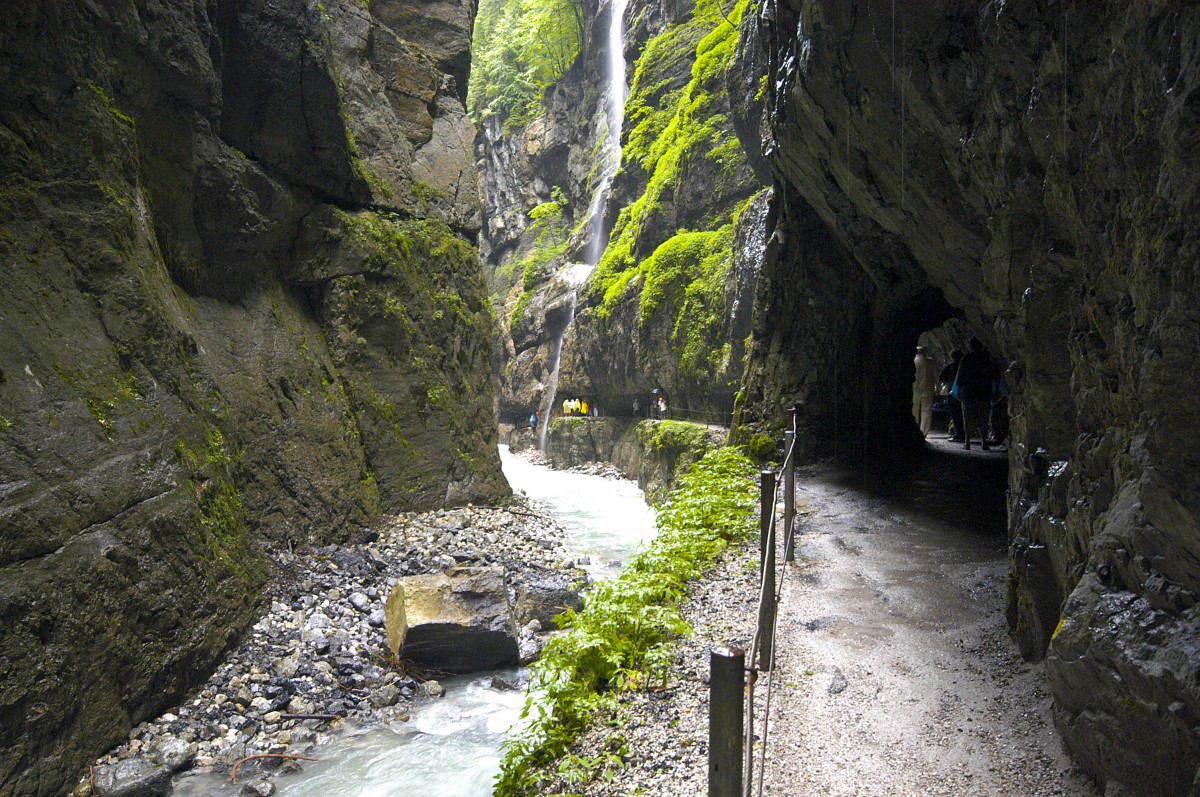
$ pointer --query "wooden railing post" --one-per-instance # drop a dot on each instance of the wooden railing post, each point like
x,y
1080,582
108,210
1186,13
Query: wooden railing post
x,y
766,607
727,667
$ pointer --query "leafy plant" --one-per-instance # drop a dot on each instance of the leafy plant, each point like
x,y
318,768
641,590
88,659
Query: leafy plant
x,y
521,48
624,637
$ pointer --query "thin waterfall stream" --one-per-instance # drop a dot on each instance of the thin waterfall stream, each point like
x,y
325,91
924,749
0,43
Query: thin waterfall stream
x,y
610,155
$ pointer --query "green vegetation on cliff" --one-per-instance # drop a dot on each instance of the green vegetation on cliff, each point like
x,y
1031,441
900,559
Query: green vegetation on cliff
x,y
676,135
624,637
549,226
416,321
670,131
521,48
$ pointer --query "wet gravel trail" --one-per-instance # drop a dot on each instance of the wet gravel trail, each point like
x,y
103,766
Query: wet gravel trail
x,y
894,674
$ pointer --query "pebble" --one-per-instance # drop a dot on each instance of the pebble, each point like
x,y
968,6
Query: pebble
x,y
321,648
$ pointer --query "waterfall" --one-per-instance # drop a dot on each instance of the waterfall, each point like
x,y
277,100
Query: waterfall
x,y
610,154
613,118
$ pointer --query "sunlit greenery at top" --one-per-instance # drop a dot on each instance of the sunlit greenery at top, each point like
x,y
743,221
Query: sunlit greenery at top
x,y
521,48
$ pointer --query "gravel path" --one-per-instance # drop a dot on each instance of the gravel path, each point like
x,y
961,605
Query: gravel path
x,y
894,674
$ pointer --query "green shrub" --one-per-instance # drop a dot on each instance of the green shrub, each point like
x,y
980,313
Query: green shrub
x,y
762,448
624,637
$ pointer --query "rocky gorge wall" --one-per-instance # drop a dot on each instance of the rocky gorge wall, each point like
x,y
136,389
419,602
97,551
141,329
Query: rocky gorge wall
x,y
1028,169
669,304
242,309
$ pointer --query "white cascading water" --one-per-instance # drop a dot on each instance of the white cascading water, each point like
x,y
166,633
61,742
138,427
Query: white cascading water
x,y
610,152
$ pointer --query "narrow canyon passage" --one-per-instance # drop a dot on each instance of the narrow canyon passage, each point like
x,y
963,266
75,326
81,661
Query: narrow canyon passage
x,y
894,672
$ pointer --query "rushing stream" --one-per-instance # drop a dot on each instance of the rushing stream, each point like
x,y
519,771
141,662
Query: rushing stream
x,y
605,519
451,747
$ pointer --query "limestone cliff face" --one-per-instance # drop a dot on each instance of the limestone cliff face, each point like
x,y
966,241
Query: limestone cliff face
x,y
672,287
1030,168
241,309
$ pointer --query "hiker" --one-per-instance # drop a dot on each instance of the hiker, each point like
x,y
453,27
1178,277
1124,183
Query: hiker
x,y
922,391
946,378
974,390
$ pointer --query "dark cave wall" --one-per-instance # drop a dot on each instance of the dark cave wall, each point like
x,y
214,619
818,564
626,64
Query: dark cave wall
x,y
241,310
1032,168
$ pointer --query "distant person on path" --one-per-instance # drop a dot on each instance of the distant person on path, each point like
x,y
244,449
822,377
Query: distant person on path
x,y
974,388
662,408
946,378
923,391
637,407
533,421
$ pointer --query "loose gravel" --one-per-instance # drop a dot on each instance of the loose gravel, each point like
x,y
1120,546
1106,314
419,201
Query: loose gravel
x,y
321,647
893,672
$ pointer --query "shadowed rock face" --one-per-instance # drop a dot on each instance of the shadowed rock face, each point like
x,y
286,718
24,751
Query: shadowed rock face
x,y
1030,168
241,308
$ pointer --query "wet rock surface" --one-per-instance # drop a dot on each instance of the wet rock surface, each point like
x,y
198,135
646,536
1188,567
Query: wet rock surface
x,y
893,673
242,311
1027,171
319,658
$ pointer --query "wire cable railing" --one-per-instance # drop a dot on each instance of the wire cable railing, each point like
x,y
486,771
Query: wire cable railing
x,y
732,684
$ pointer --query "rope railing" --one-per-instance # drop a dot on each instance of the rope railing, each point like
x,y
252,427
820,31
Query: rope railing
x,y
732,766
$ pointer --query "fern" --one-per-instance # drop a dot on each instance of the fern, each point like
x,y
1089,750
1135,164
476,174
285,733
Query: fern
x,y
624,638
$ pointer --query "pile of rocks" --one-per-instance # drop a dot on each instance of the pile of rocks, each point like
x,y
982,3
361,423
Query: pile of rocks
x,y
320,653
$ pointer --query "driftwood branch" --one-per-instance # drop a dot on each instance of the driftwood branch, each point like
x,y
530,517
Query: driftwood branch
x,y
240,761
327,717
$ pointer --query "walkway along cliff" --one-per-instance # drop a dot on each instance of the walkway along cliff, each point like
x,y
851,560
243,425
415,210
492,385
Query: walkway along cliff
x,y
241,309
1029,170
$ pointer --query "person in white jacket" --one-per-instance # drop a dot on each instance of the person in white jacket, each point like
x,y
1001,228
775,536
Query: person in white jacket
x,y
924,387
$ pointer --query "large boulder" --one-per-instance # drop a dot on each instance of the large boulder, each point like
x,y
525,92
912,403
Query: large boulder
x,y
456,622
544,594
133,777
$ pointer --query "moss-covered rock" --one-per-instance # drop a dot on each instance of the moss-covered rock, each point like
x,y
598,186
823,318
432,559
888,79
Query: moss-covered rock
x,y
671,256
218,337
669,448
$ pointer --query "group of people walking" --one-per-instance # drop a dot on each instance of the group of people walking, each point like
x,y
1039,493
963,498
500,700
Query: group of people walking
x,y
570,408
577,407
975,394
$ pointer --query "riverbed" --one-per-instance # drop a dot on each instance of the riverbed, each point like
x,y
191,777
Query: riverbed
x,y
320,649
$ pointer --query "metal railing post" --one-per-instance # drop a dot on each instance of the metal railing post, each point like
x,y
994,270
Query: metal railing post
x,y
789,496
766,499
727,667
766,605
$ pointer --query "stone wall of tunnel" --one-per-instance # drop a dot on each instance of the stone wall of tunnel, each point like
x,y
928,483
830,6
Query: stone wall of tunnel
x,y
1029,168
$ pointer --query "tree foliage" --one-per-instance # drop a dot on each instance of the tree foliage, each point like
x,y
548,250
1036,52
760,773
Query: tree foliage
x,y
521,48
